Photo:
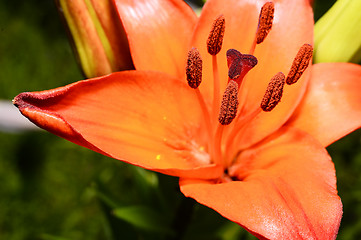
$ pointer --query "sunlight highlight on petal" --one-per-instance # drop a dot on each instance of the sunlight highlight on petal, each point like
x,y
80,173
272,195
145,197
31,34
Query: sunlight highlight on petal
x,y
158,32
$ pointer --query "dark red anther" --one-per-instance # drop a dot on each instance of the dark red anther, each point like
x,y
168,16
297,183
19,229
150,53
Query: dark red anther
x,y
215,38
229,104
273,93
265,21
194,68
300,63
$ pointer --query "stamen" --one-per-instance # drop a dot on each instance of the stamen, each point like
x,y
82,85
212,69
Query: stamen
x,y
194,79
273,93
265,21
238,130
194,68
215,38
239,65
228,110
217,146
300,63
216,86
206,116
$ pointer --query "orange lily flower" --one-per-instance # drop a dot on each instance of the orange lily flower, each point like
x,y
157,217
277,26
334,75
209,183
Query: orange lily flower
x,y
266,170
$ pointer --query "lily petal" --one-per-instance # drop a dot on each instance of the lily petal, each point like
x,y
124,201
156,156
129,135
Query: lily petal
x,y
331,108
287,190
159,33
292,27
145,118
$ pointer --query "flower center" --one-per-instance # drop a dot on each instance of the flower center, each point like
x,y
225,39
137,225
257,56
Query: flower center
x,y
229,110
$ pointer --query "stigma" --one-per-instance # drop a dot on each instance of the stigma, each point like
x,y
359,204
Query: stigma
x,y
239,64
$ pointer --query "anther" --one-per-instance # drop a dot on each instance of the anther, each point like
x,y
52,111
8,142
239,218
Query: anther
x,y
194,68
300,64
265,21
228,110
215,38
273,93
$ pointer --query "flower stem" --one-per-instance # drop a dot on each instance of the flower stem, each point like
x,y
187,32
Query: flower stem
x,y
216,87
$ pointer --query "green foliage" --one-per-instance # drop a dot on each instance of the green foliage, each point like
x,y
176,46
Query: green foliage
x,y
144,218
346,154
336,36
35,53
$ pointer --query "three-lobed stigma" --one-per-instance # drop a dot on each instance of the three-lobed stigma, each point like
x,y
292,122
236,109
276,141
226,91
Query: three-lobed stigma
x,y
239,64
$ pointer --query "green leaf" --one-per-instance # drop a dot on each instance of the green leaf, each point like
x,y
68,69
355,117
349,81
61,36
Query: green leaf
x,y
337,33
146,177
144,218
51,237
232,231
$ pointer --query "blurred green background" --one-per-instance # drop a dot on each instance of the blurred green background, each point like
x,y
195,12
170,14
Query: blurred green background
x,y
53,189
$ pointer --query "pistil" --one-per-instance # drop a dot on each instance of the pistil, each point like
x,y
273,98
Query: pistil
x,y
227,113
214,46
194,78
239,65
270,100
